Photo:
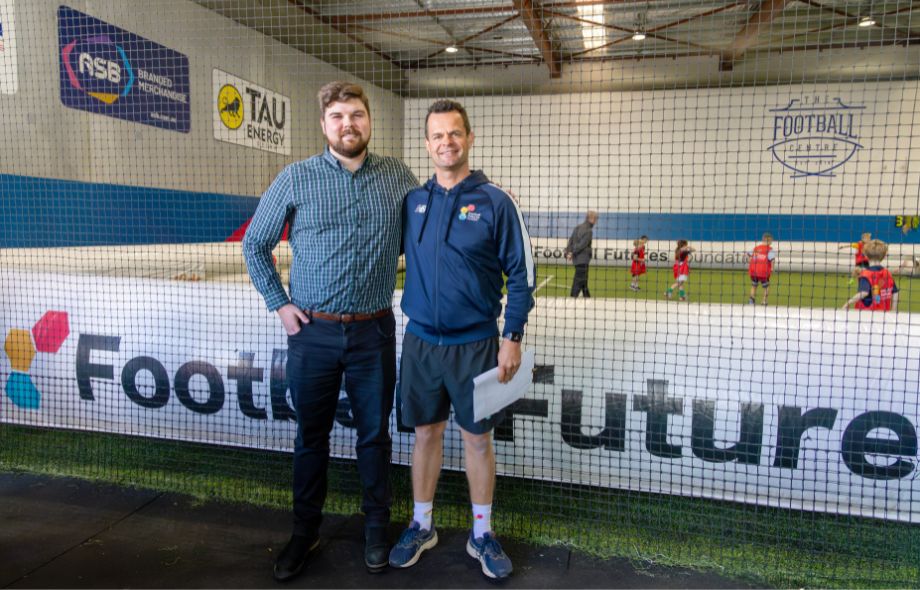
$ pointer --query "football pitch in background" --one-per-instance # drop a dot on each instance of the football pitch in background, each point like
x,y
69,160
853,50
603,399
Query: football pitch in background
x,y
790,289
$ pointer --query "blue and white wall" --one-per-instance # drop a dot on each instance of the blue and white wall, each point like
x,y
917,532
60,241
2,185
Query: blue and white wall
x,y
672,164
698,164
72,178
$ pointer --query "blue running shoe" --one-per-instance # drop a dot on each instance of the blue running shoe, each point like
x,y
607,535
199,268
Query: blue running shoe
x,y
495,564
411,544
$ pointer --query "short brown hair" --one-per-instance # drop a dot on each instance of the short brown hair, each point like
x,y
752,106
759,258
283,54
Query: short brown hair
x,y
340,91
875,250
446,105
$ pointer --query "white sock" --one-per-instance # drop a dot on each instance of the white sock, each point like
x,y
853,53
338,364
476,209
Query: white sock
x,y
422,514
482,519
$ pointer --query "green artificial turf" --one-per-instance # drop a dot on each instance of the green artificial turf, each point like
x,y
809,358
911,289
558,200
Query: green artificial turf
x,y
790,289
768,546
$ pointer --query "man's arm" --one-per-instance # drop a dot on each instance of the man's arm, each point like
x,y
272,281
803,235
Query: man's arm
x,y
516,260
263,234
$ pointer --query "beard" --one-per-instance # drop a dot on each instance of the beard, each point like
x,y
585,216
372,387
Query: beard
x,y
349,152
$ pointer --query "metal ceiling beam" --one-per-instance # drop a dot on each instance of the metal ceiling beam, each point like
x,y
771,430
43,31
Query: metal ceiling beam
x,y
345,19
437,21
587,21
751,31
857,17
841,25
909,41
327,21
460,43
650,32
688,19
534,24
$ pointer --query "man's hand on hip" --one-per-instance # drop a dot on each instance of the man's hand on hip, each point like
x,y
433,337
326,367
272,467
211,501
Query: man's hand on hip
x,y
509,360
292,317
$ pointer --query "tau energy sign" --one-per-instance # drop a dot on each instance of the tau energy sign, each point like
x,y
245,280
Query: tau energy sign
x,y
109,71
8,81
248,114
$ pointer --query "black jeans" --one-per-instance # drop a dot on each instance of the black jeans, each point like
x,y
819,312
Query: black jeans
x,y
580,282
318,357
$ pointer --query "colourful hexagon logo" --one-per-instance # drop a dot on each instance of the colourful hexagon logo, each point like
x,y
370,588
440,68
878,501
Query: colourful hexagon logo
x,y
51,331
18,347
47,336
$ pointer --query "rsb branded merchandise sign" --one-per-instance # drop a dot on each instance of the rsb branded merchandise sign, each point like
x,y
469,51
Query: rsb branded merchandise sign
x,y
794,408
248,114
113,72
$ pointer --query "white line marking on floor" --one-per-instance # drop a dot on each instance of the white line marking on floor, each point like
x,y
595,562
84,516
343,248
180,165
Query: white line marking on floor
x,y
543,284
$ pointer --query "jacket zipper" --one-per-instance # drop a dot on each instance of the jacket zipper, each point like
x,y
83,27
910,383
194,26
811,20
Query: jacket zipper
x,y
437,270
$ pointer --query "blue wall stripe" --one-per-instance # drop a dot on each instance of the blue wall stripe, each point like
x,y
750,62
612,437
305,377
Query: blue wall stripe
x,y
43,212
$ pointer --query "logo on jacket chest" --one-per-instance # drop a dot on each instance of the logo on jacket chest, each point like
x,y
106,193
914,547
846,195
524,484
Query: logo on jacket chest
x,y
468,213
420,208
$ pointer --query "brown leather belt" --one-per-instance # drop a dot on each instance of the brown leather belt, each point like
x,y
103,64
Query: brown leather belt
x,y
347,318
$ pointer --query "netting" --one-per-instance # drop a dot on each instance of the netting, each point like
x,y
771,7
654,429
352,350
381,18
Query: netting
x,y
711,403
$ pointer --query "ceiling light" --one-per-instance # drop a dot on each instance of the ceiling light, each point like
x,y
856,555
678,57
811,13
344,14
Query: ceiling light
x,y
451,49
866,21
638,36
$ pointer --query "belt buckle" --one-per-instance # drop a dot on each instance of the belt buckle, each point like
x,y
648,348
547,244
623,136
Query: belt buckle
x,y
347,318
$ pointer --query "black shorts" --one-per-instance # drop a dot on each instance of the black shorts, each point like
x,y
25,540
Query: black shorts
x,y
765,281
432,378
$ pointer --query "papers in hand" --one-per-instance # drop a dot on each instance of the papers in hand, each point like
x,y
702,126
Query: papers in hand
x,y
490,396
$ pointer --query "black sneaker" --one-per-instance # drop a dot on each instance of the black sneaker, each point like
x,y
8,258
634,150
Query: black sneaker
x,y
294,556
376,548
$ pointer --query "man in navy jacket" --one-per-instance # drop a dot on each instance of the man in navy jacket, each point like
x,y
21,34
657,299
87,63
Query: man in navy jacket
x,y
462,235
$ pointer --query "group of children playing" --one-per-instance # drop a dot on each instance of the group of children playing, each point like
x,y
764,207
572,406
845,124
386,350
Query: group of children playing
x,y
877,290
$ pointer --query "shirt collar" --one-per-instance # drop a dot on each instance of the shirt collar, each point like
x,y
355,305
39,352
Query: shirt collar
x,y
370,161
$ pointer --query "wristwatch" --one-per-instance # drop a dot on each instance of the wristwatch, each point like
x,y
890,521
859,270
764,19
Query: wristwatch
x,y
515,336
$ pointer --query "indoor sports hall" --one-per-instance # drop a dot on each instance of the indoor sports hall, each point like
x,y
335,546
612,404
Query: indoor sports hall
x,y
731,397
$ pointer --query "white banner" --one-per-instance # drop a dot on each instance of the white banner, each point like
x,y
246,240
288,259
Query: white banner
x,y
248,114
9,81
793,408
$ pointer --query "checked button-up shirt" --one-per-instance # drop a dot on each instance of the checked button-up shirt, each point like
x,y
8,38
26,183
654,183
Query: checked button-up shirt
x,y
345,232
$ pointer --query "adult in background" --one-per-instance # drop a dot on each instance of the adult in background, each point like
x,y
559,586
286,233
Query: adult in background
x,y
578,251
462,233
344,208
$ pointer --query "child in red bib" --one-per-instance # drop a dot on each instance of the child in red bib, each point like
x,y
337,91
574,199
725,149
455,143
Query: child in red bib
x,y
760,268
637,268
877,289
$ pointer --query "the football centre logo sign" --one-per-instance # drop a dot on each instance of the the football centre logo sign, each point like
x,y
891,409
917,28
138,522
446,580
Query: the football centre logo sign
x,y
815,135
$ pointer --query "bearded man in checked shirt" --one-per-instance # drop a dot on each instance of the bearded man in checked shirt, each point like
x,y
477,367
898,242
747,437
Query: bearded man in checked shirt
x,y
343,206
